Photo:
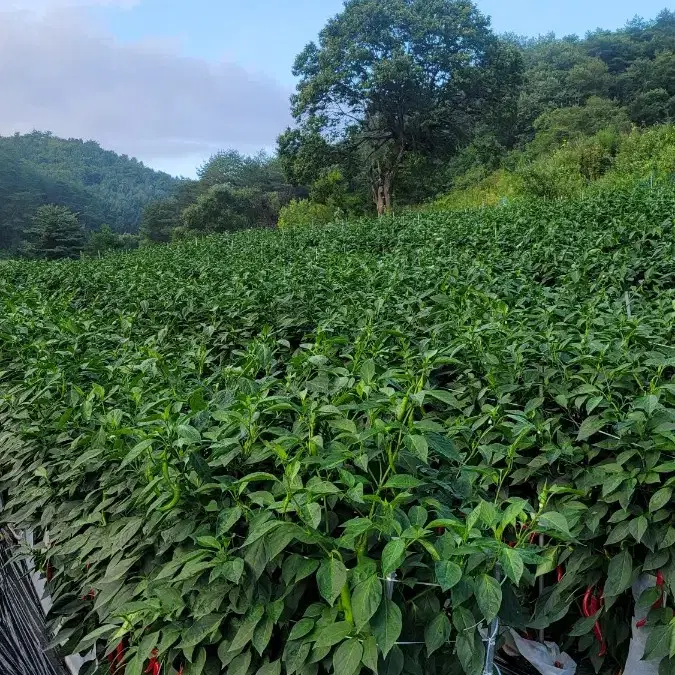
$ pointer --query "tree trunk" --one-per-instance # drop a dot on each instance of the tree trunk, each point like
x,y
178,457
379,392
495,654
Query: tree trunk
x,y
382,182
380,201
377,186
386,189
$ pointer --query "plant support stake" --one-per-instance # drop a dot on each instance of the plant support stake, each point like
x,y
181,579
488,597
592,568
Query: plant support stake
x,y
491,641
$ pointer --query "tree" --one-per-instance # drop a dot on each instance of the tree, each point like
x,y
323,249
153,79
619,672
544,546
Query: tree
x,y
391,77
230,167
326,172
103,241
159,220
589,78
570,124
59,233
226,209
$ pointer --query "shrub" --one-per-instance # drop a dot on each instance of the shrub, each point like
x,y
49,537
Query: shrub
x,y
552,177
304,213
103,241
490,191
643,154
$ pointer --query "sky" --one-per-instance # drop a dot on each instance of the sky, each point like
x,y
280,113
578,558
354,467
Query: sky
x,y
173,81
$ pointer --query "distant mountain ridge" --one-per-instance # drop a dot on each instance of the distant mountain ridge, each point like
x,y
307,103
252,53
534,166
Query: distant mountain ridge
x,y
100,185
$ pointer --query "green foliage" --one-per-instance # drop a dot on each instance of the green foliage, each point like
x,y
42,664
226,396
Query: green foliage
x,y
552,177
159,220
58,233
602,161
646,154
565,125
305,213
333,189
368,111
261,172
225,209
106,241
492,190
259,427
392,77
234,192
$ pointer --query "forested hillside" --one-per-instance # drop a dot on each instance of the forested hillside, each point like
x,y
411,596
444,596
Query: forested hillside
x,y
99,185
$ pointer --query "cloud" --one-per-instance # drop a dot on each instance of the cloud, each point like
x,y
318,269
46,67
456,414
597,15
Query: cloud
x,y
39,6
58,73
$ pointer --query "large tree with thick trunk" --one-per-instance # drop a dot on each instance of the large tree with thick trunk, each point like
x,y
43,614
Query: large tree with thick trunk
x,y
393,77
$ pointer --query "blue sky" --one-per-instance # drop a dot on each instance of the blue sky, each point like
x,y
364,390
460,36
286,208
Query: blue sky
x,y
172,81
267,34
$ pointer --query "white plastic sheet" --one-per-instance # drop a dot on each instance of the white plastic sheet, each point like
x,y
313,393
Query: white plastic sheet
x,y
546,658
635,665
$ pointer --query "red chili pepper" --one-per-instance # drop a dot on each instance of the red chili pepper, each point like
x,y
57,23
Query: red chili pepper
x,y
116,659
660,583
591,605
560,572
533,538
641,623
599,637
594,604
89,596
440,531
50,572
154,665
180,671
585,604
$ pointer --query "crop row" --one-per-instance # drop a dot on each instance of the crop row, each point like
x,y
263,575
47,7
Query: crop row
x,y
300,451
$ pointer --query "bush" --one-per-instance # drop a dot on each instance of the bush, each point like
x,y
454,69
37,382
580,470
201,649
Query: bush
x,y
608,159
490,191
552,177
103,241
567,125
304,213
645,154
226,209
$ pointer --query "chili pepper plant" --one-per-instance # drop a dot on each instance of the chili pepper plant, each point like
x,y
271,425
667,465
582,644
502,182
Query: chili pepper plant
x,y
348,449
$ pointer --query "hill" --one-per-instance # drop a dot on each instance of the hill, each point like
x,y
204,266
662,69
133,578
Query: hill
x,y
259,427
579,163
100,185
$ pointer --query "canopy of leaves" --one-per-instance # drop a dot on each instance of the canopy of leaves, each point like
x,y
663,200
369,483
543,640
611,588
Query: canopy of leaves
x,y
58,233
570,88
107,241
557,127
401,75
225,209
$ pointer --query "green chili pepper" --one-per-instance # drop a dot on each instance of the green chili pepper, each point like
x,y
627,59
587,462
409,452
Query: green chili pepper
x,y
346,600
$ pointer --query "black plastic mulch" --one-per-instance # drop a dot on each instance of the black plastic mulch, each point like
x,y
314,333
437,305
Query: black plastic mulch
x,y
23,636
